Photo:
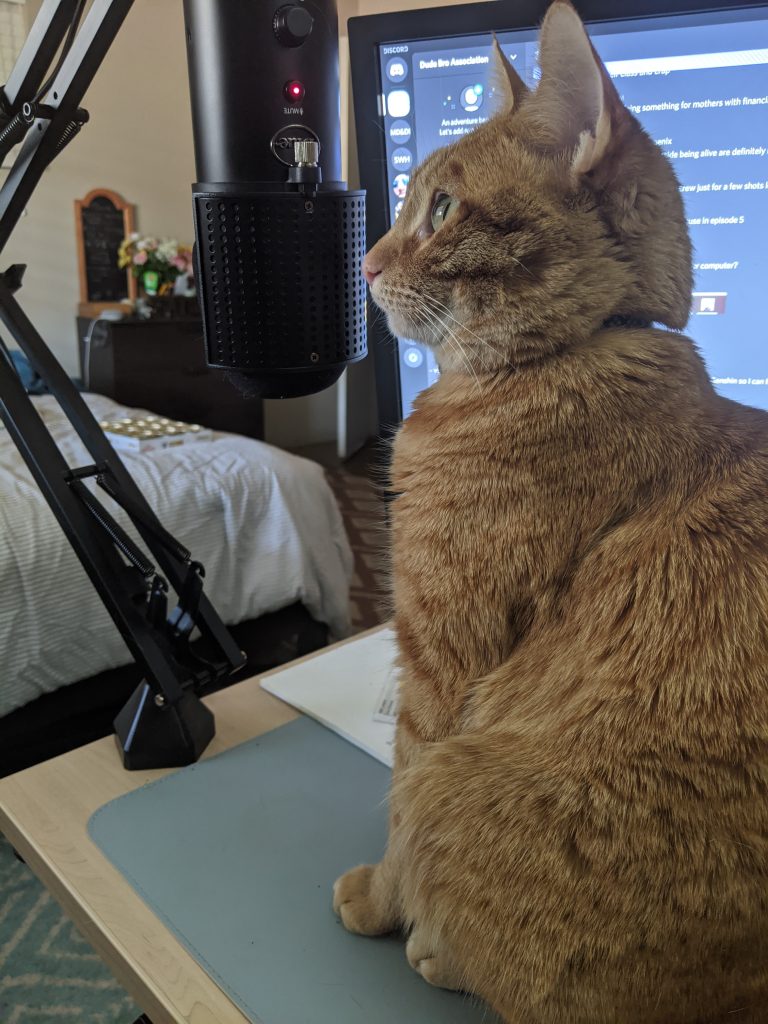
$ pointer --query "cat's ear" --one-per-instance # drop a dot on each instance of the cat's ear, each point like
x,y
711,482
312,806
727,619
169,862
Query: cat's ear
x,y
577,106
508,87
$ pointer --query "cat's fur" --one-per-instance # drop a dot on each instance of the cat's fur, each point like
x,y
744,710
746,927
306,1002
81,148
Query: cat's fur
x,y
579,811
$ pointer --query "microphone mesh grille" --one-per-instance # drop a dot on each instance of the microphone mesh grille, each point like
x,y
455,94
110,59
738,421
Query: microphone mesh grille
x,y
281,285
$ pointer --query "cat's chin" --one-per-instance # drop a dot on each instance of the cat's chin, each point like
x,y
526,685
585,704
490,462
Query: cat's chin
x,y
403,326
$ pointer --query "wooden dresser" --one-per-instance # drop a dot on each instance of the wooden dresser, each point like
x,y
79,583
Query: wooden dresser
x,y
160,365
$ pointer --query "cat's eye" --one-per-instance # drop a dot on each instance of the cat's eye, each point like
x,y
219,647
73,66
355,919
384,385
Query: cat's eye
x,y
442,208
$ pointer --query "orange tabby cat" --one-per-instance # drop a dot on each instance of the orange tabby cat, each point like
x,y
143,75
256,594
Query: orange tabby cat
x,y
579,811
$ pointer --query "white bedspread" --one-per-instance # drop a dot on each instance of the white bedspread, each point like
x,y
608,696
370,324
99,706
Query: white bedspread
x,y
264,524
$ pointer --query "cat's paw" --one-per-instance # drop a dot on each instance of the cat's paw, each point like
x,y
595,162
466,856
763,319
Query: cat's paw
x,y
355,903
430,964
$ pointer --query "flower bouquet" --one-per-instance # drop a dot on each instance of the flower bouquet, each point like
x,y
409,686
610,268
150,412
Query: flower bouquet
x,y
156,262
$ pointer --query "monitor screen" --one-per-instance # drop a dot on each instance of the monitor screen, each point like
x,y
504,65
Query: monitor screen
x,y
698,82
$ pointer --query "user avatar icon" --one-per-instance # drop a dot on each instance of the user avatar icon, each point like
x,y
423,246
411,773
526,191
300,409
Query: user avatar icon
x,y
400,185
399,132
402,159
472,97
398,103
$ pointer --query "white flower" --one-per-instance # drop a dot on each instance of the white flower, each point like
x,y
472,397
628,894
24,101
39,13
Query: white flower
x,y
168,249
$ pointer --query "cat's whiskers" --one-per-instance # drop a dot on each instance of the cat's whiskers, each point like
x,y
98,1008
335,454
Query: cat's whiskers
x,y
441,307
422,321
521,265
412,300
388,338
442,336
433,320
378,317
480,353
379,125
451,336
427,324
437,330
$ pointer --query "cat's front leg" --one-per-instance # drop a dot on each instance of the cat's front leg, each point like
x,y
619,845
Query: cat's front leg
x,y
427,957
367,898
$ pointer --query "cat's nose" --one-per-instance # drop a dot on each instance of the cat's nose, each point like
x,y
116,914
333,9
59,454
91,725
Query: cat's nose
x,y
371,269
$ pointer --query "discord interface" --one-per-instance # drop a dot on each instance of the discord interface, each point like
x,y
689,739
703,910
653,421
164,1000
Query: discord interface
x,y
699,85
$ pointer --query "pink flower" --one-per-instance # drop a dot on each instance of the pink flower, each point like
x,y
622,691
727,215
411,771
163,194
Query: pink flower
x,y
179,262
140,259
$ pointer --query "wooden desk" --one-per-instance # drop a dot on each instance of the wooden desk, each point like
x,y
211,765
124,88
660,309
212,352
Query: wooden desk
x,y
44,813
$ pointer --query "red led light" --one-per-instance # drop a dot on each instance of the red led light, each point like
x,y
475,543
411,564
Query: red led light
x,y
294,91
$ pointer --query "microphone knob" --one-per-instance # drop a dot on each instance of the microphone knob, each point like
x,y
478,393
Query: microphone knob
x,y
292,24
306,153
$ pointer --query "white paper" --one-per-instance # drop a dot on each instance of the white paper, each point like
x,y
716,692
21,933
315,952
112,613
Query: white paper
x,y
351,689
388,702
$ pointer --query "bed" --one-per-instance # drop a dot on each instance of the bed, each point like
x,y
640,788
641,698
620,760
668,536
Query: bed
x,y
263,522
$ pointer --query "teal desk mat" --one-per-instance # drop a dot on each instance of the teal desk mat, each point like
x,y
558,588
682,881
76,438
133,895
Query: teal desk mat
x,y
238,855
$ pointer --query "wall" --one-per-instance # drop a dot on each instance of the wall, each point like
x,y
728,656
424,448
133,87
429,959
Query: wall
x,y
138,142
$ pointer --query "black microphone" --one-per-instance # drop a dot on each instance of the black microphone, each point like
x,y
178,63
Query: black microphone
x,y
279,238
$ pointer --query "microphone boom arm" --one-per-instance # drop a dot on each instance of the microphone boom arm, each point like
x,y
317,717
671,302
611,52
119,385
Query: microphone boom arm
x,y
164,723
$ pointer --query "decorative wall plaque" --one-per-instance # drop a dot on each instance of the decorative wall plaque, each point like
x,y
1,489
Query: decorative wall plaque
x,y
102,220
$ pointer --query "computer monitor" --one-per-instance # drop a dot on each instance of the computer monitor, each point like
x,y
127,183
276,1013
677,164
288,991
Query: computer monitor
x,y
695,74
